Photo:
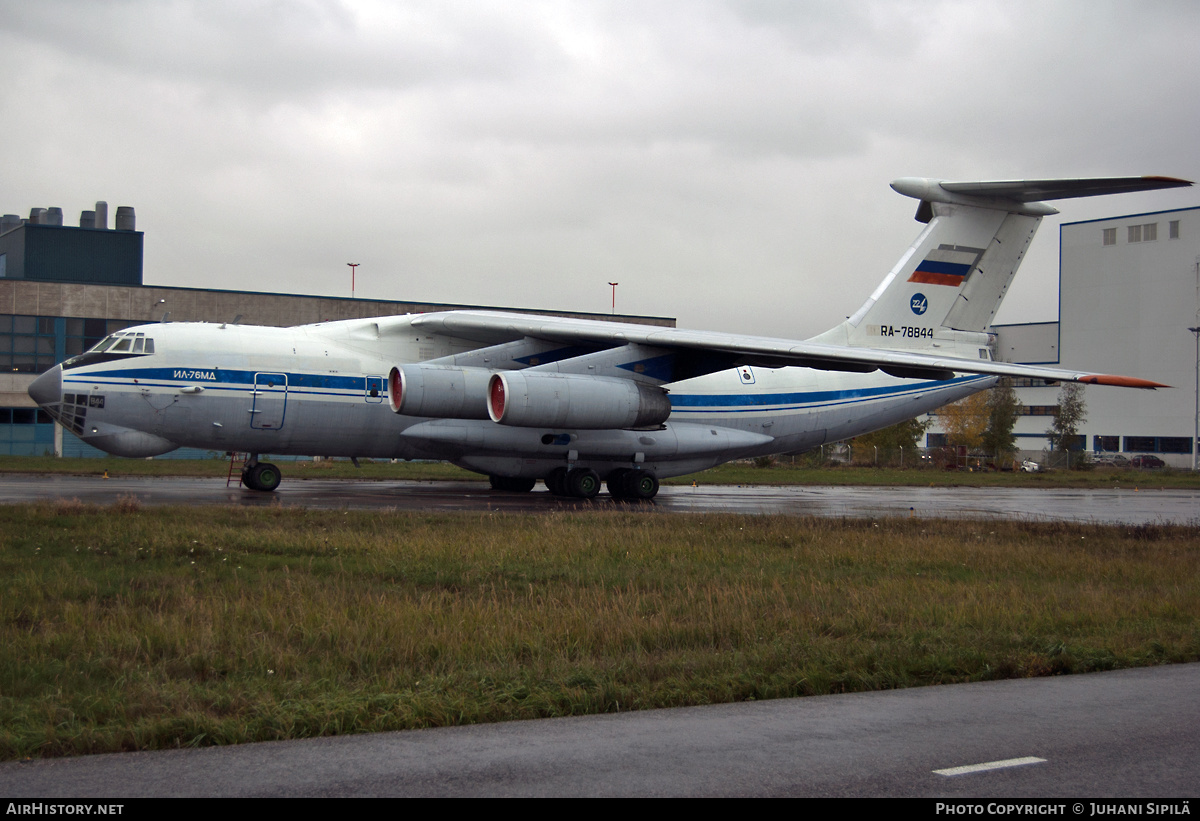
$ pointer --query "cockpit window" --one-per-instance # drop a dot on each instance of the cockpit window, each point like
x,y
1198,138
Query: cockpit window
x,y
120,345
124,342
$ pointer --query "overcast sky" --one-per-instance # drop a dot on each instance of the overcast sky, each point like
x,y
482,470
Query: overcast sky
x,y
727,162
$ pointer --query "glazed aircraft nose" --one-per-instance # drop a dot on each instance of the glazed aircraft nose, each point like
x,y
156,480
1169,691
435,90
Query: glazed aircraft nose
x,y
47,388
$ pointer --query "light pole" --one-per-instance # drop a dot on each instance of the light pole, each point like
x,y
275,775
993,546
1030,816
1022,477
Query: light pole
x,y
614,304
353,271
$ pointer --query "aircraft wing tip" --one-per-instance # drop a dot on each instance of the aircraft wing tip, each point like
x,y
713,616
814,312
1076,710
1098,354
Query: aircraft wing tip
x,y
1174,181
1121,381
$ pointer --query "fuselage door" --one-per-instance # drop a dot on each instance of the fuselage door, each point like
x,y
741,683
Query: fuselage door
x,y
374,389
270,401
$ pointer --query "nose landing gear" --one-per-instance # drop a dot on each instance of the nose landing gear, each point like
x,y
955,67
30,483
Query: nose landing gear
x,y
262,476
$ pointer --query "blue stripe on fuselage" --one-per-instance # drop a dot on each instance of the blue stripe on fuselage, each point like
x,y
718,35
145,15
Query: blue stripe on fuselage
x,y
165,377
743,402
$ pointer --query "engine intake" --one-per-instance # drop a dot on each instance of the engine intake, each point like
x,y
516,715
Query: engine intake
x,y
439,391
561,400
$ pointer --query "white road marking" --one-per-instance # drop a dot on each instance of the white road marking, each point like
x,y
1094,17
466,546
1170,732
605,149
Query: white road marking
x,y
991,765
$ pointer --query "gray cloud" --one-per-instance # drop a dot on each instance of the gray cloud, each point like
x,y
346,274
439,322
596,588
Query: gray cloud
x,y
727,162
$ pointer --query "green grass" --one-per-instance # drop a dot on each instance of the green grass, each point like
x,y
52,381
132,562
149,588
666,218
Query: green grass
x,y
127,628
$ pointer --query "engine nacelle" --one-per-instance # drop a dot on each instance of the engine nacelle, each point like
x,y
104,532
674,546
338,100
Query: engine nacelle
x,y
562,400
439,391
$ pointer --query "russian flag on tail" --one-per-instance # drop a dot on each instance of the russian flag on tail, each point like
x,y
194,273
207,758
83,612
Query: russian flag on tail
x,y
946,266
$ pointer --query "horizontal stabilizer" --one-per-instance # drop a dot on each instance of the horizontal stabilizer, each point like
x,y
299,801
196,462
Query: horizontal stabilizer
x,y
1025,196
1034,190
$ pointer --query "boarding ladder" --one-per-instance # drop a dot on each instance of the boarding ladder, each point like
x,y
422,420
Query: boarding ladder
x,y
238,458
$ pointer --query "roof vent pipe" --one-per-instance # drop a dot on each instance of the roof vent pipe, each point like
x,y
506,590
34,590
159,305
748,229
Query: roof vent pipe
x,y
125,221
87,219
102,215
53,216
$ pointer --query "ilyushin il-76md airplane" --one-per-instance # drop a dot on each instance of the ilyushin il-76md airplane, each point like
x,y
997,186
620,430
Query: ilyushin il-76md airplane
x,y
573,402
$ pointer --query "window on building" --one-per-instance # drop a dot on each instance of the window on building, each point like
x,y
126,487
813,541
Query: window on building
x,y
31,344
1158,444
1139,443
1135,233
1173,229
1110,236
26,343
26,432
1101,444
1038,410
1150,232
1174,444
24,416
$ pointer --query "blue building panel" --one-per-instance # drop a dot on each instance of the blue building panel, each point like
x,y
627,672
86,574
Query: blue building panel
x,y
54,253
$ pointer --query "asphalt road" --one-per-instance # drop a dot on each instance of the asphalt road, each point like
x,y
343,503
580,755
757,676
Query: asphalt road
x,y
1129,506
1128,734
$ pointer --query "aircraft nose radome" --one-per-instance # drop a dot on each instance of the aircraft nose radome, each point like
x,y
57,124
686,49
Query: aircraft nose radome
x,y
47,388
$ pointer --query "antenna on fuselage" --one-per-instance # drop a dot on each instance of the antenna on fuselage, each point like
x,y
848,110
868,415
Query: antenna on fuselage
x,y
166,318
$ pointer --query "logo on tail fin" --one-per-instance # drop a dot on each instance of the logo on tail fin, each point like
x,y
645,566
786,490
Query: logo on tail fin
x,y
919,304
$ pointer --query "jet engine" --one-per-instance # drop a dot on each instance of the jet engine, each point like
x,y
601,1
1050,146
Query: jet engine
x,y
438,390
560,400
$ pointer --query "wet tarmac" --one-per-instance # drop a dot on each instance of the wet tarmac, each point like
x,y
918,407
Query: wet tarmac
x,y
1124,505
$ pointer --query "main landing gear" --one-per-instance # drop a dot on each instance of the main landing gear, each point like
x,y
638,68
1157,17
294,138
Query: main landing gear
x,y
638,485
584,483
262,476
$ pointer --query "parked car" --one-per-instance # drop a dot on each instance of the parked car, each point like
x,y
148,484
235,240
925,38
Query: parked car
x,y
1145,460
1111,460
1030,466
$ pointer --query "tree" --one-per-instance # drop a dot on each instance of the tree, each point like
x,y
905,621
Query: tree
x,y
892,442
1068,416
965,421
1003,409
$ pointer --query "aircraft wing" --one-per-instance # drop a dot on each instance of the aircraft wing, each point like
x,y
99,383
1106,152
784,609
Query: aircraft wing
x,y
722,350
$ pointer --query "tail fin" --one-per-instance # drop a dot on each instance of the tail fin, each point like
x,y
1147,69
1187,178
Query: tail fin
x,y
943,293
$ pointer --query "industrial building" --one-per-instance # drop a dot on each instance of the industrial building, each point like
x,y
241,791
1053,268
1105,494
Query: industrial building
x,y
63,288
1129,291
